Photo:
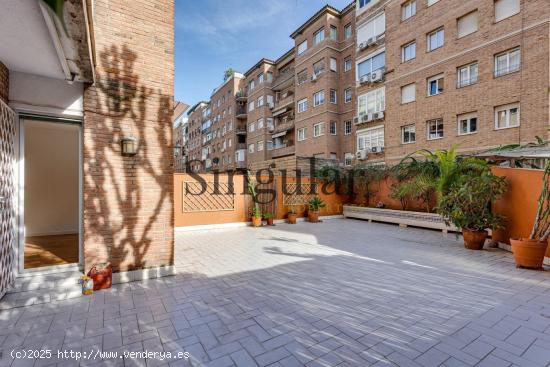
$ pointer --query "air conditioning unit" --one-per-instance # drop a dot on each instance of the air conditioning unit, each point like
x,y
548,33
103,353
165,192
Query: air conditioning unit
x,y
314,78
371,41
382,148
378,115
377,76
356,120
380,37
375,149
364,79
361,155
362,46
366,117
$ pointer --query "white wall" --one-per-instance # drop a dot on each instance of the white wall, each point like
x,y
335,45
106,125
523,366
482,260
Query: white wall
x,y
41,95
51,178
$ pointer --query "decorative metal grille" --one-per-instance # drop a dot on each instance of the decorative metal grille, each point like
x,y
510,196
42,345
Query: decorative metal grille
x,y
7,192
208,201
297,193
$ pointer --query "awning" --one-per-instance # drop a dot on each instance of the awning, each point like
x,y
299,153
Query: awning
x,y
280,112
278,135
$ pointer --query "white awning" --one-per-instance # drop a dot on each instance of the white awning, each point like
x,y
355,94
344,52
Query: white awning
x,y
280,112
278,135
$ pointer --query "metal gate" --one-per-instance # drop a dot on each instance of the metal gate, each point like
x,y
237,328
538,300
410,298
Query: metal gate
x,y
7,195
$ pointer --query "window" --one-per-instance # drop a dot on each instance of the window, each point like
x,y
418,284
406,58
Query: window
x,y
372,28
251,106
318,129
347,127
319,67
507,116
408,134
347,31
269,76
467,75
435,85
347,95
506,8
250,148
435,39
467,124
302,47
260,78
269,100
371,64
408,51
302,134
318,98
333,64
431,2
269,123
435,129
333,33
333,127
507,62
408,93
251,85
302,77
269,144
251,127
260,101
229,141
467,24
373,101
363,3
302,105
260,123
260,146
408,9
347,64
333,96
348,159
369,138
319,36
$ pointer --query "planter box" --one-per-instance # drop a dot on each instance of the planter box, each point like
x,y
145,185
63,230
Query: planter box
x,y
401,217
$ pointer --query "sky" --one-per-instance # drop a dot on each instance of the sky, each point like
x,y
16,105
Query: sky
x,y
213,35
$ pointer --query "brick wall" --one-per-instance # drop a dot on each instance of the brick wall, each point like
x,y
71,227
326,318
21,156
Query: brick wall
x,y
128,201
4,82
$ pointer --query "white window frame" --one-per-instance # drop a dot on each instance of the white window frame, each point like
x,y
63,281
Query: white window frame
x,y
333,93
333,32
509,68
319,129
366,100
348,92
348,31
437,130
408,9
431,2
348,64
403,88
367,58
251,127
437,79
468,117
348,127
260,146
318,98
411,128
250,106
333,64
260,101
517,9
475,14
375,27
404,49
260,123
469,80
348,159
439,33
302,47
319,36
251,147
333,127
302,105
366,139
301,134
507,108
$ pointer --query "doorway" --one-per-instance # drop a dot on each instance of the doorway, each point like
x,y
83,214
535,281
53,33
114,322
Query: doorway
x,y
50,177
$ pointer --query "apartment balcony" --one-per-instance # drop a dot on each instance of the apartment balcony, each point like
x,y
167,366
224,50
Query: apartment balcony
x,y
240,129
240,146
284,80
265,83
241,113
241,96
285,126
283,105
282,151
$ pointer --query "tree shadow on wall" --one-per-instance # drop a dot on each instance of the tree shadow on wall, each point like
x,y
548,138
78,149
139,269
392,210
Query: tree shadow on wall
x,y
128,201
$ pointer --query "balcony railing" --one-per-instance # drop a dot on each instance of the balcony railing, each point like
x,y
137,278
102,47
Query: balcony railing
x,y
240,129
287,101
282,150
285,126
284,79
241,113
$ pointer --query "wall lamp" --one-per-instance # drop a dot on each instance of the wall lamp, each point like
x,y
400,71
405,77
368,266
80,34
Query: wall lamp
x,y
129,146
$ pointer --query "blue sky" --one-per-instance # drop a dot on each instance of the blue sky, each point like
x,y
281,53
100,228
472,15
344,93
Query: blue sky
x,y
212,35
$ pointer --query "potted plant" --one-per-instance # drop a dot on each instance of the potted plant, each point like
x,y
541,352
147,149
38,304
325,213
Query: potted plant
x,y
313,209
291,215
529,252
256,216
268,218
467,204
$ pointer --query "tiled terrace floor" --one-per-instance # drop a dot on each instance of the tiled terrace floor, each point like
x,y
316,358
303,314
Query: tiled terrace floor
x,y
339,293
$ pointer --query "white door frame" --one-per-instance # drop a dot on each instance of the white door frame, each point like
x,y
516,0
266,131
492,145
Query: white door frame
x,y
20,248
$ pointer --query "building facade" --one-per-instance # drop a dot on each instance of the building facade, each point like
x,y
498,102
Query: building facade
x,y
181,135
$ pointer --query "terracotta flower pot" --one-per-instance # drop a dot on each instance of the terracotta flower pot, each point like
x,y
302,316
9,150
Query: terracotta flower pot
x,y
291,217
313,216
269,221
528,253
102,276
474,240
256,221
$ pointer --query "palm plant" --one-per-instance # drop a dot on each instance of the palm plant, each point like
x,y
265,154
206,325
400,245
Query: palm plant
x,y
316,203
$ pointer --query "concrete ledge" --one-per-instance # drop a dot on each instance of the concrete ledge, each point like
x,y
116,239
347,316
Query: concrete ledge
x,y
402,217
206,227
142,274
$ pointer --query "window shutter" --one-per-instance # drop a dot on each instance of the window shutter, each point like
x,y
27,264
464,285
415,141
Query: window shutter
x,y
408,93
506,8
467,24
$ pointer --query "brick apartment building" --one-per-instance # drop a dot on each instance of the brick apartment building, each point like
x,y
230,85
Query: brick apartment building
x,y
196,116
181,134
86,160
382,79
